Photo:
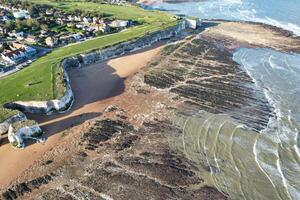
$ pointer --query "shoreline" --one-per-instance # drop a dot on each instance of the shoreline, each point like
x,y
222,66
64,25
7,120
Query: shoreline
x,y
13,160
111,94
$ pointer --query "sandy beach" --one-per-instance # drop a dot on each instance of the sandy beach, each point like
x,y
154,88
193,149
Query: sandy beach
x,y
95,87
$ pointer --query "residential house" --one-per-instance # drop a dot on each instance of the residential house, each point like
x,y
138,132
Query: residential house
x,y
100,27
78,37
4,18
21,14
95,20
16,34
51,41
86,20
78,19
71,18
49,12
119,24
60,21
18,55
31,39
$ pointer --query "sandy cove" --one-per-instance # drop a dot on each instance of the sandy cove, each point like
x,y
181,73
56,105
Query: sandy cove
x,y
104,86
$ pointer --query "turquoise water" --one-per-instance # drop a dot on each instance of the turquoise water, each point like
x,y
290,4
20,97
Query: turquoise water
x,y
242,163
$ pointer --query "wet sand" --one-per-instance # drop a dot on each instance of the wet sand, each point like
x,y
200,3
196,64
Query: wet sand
x,y
95,87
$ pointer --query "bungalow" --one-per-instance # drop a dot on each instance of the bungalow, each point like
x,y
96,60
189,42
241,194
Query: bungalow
x,y
78,19
78,37
16,34
71,18
49,12
119,24
21,14
4,18
100,27
95,20
51,42
86,19
31,39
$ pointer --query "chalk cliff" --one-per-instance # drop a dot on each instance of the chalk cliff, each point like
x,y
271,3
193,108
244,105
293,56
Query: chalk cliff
x,y
66,101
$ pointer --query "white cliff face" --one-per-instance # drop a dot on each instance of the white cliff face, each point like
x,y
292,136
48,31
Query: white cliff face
x,y
66,101
17,137
46,107
62,104
4,126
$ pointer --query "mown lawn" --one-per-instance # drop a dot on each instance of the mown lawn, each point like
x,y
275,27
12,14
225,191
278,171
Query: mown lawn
x,y
36,81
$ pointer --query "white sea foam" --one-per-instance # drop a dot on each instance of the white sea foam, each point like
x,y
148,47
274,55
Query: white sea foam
x,y
285,25
282,128
276,74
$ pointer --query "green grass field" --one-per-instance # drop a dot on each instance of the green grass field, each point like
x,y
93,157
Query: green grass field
x,y
40,73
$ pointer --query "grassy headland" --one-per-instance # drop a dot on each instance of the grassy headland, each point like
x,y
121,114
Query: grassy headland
x,y
36,82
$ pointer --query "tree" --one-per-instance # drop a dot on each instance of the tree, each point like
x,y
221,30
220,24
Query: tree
x,y
9,25
33,10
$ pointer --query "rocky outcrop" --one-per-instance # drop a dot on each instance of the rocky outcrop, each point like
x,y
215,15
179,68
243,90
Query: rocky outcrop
x,y
66,101
205,76
18,135
127,163
4,126
17,191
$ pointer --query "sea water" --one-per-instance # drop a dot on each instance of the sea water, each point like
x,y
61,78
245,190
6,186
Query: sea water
x,y
281,13
243,163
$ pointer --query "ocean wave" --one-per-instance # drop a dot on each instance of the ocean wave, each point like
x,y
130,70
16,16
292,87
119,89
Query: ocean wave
x,y
282,24
282,129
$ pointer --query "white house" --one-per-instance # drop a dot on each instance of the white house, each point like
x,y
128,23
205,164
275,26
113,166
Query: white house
x,y
4,18
119,24
21,14
71,18
51,42
18,34
18,55
86,20
78,36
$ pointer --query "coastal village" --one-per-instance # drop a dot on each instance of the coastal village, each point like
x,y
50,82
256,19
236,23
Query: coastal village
x,y
134,99
29,32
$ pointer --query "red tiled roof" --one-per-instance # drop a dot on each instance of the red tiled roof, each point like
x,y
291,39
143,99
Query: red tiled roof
x,y
16,52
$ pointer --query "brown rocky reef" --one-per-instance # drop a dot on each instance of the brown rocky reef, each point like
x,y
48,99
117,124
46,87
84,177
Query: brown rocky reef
x,y
205,75
119,161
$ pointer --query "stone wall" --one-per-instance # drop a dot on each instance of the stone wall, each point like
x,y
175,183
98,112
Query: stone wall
x,y
66,101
